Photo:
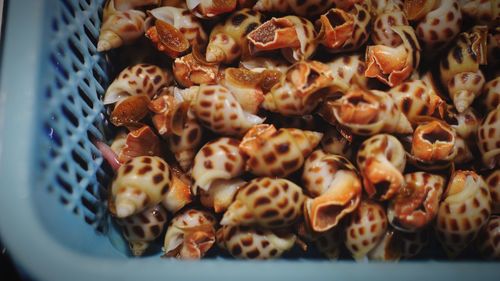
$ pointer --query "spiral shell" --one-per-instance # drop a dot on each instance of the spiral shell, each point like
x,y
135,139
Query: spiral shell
x,y
245,242
465,124
394,64
342,31
465,209
169,112
120,28
335,187
381,160
180,18
228,40
389,15
140,79
217,109
139,184
349,68
491,94
438,22
417,98
295,37
301,89
217,160
277,153
433,142
460,71
365,229
489,139
493,182
267,202
185,145
189,71
366,113
221,194
416,205
190,235
142,228
210,8
487,239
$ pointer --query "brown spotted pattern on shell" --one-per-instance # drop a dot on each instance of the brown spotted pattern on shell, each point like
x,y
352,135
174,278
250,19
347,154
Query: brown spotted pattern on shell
x,y
140,79
267,202
491,94
217,109
437,22
366,227
185,145
416,204
334,142
190,235
493,182
169,112
392,65
228,40
459,69
218,160
221,194
465,124
381,160
418,98
247,242
277,153
142,228
465,208
349,68
413,242
294,36
366,112
335,189
389,16
489,139
388,249
487,240
210,8
301,88
464,152
140,183
302,8
342,31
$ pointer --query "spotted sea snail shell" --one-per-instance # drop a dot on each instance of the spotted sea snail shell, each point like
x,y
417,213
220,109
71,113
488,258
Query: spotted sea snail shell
x,y
487,239
489,139
334,142
228,40
210,8
296,7
277,153
142,228
493,182
416,205
342,31
140,183
389,248
185,145
190,235
247,242
366,113
335,189
302,88
267,202
221,194
413,242
391,14
381,160
349,68
366,227
433,142
179,194
491,93
294,36
465,209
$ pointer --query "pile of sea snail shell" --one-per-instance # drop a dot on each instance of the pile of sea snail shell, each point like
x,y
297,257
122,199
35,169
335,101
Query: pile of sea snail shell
x,y
361,128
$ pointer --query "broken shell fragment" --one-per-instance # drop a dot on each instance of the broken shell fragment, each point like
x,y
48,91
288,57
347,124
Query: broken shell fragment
x,y
381,160
247,242
463,212
140,183
277,153
143,228
189,71
190,235
434,141
140,142
267,202
335,187
168,39
416,205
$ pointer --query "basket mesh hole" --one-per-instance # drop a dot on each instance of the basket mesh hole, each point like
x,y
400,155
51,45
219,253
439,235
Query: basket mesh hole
x,y
70,166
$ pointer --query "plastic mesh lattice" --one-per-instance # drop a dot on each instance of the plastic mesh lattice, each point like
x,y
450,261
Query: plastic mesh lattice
x,y
72,113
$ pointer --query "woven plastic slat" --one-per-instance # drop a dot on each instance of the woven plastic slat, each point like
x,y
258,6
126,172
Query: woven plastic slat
x,y
70,165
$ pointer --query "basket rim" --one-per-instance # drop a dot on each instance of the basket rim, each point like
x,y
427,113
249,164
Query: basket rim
x,y
48,260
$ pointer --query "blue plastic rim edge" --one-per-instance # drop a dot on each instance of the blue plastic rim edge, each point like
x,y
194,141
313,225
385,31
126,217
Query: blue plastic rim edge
x,y
44,258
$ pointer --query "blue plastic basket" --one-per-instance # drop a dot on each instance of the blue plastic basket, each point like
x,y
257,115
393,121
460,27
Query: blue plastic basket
x,y
52,219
